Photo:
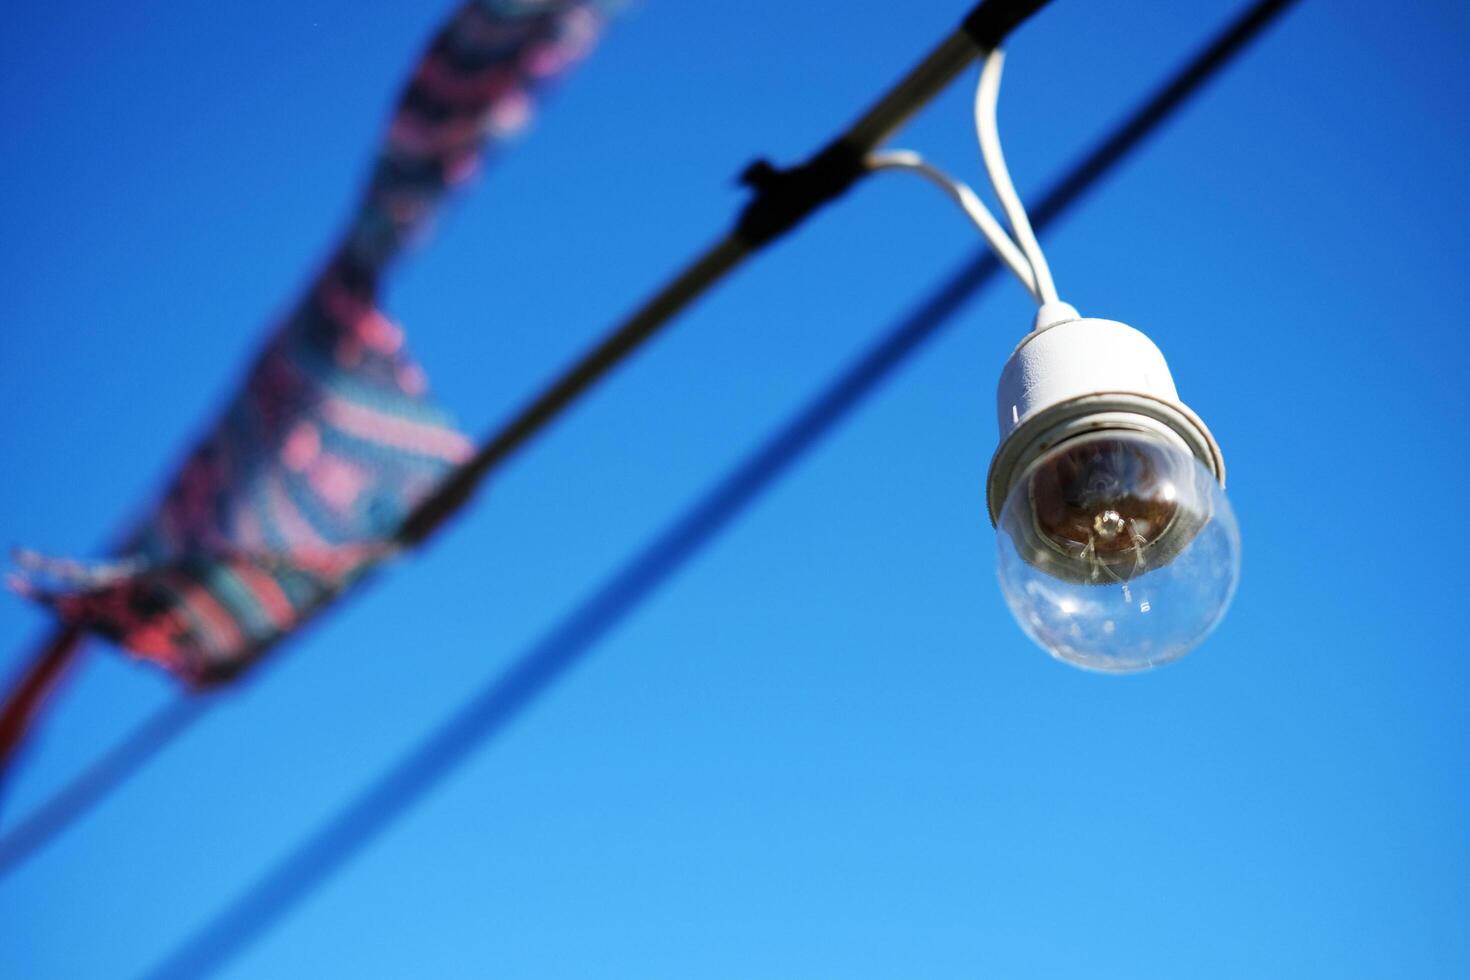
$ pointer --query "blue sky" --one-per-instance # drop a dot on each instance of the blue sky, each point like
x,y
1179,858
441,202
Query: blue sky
x,y
824,749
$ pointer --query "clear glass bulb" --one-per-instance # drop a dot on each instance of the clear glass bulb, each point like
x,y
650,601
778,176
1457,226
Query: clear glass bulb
x,y
1118,551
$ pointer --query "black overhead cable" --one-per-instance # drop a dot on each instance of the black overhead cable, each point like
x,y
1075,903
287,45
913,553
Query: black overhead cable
x,y
782,199
327,850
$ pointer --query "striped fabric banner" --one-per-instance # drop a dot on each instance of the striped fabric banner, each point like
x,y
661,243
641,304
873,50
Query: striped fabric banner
x,y
300,486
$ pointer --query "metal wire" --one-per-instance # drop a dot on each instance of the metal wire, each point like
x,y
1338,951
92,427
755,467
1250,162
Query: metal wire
x,y
94,783
787,198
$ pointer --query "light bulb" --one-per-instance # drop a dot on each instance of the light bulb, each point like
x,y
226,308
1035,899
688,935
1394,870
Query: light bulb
x,y
1118,550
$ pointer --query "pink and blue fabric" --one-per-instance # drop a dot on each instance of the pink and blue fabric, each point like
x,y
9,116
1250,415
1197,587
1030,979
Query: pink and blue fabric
x,y
301,485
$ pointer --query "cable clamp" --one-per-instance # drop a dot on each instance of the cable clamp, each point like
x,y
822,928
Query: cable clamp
x,y
992,21
785,197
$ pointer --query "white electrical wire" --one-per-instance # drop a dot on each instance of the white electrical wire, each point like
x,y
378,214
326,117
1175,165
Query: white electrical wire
x,y
1018,249
1000,242
987,94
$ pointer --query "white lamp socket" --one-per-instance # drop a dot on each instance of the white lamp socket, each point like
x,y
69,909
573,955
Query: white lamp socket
x,y
1074,375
